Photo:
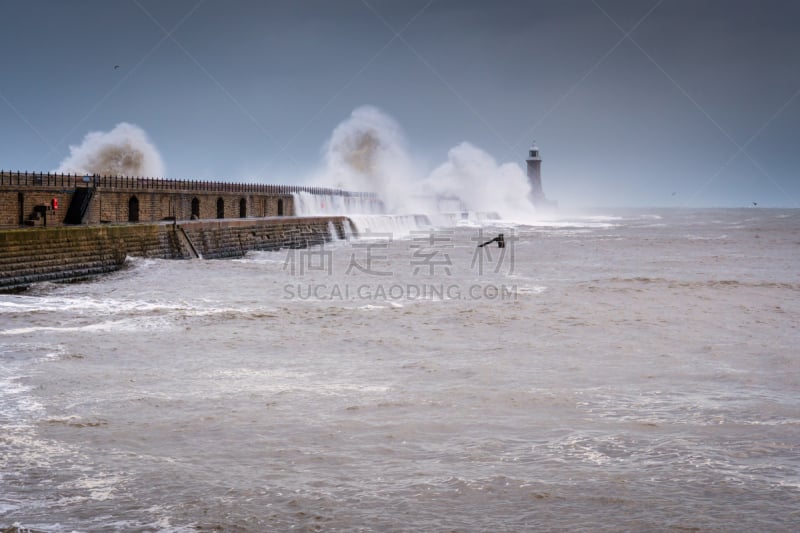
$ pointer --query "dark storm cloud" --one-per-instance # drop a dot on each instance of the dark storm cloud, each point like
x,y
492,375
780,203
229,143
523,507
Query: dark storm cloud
x,y
699,99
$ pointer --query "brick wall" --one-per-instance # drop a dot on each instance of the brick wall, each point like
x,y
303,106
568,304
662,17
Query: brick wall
x,y
156,199
114,206
29,202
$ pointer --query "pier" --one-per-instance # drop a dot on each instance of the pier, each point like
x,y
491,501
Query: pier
x,y
60,227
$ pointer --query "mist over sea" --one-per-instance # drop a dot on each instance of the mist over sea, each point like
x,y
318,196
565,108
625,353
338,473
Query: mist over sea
x,y
628,370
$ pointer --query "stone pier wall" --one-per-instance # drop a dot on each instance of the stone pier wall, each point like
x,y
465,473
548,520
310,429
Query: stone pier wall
x,y
34,255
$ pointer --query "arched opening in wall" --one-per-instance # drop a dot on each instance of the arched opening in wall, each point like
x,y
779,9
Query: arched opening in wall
x,y
280,207
195,208
220,208
167,210
133,209
242,208
21,201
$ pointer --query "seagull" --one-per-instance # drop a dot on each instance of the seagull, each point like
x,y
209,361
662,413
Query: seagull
x,y
755,204
116,67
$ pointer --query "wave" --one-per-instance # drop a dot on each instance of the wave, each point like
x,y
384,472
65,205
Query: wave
x,y
714,283
308,204
389,226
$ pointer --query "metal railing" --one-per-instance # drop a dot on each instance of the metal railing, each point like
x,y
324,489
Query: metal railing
x,y
48,179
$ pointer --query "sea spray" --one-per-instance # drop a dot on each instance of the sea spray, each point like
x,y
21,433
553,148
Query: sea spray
x,y
368,152
308,204
481,184
334,235
389,226
124,151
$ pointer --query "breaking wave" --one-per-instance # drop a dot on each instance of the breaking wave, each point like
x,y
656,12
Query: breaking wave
x,y
124,151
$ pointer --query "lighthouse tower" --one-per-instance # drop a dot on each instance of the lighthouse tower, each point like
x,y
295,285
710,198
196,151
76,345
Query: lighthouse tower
x,y
535,174
537,196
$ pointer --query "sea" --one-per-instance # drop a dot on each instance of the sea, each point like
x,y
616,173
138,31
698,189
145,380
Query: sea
x,y
618,370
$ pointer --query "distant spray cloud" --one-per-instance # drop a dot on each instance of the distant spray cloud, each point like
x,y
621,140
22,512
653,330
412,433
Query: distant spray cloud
x,y
368,152
124,151
481,184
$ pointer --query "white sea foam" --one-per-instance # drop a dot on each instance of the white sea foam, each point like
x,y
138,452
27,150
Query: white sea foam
x,y
127,325
142,314
535,289
389,226
308,204
373,307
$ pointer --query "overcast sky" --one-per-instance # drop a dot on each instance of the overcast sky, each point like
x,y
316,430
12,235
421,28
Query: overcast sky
x,y
635,102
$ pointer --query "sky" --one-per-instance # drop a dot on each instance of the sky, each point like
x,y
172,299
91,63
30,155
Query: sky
x,y
684,103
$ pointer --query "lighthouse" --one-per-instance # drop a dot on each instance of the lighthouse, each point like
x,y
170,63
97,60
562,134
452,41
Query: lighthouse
x,y
534,162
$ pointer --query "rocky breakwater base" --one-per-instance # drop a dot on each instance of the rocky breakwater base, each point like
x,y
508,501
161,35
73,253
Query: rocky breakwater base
x,y
35,255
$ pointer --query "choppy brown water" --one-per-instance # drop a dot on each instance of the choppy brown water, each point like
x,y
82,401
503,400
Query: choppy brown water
x,y
640,373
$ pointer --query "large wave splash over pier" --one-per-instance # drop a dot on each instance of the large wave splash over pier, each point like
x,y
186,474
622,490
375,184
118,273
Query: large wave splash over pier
x,y
368,152
367,214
